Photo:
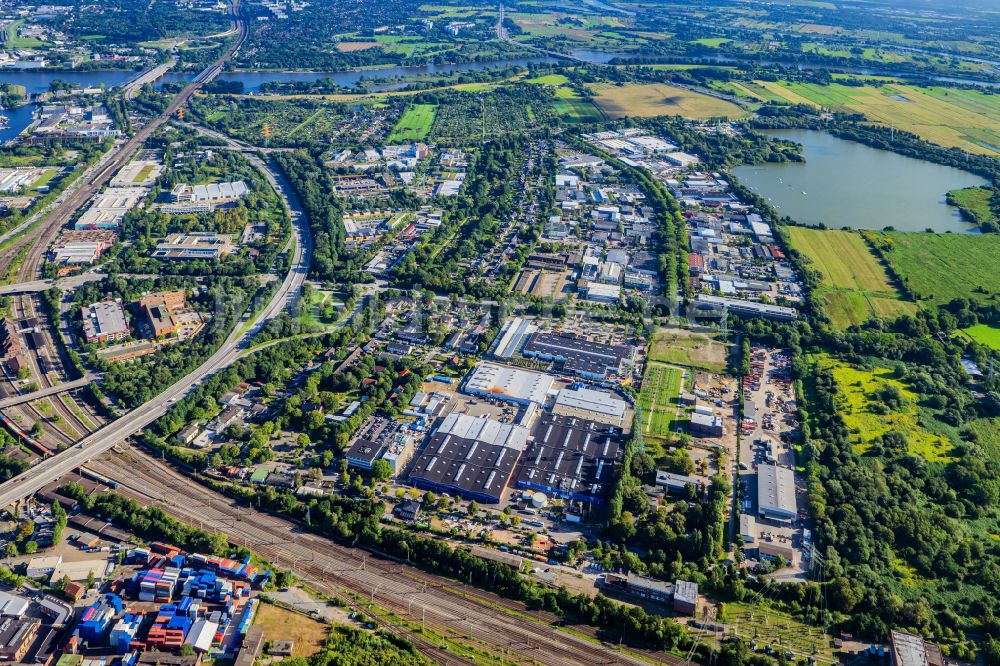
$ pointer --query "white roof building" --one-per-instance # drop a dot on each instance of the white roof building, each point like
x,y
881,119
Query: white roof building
x,y
506,383
590,404
776,493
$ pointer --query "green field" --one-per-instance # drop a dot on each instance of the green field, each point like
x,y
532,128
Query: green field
x,y
573,108
568,104
658,399
414,124
985,335
688,349
860,410
44,179
941,267
975,204
967,119
13,41
854,285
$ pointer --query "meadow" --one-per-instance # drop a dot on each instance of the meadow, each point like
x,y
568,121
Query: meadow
x,y
415,123
688,349
966,119
942,267
854,286
985,335
658,99
658,399
859,408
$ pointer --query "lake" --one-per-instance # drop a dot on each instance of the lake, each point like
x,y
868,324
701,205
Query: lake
x,y
848,184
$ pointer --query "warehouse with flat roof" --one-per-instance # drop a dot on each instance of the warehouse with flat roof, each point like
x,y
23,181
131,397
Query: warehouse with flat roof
x,y
105,322
510,384
587,403
472,457
776,493
594,360
571,458
512,337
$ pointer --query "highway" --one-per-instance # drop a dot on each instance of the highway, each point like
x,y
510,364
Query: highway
x,y
46,392
300,244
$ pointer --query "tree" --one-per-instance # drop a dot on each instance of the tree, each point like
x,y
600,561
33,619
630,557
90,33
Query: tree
x,y
473,509
31,548
381,470
187,650
90,579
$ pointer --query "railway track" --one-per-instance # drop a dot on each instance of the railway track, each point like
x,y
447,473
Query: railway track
x,y
43,363
446,608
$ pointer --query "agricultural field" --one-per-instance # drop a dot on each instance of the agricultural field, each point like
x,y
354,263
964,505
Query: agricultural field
x,y
966,119
854,285
985,335
280,624
941,267
351,47
568,104
658,399
415,123
689,349
860,406
657,99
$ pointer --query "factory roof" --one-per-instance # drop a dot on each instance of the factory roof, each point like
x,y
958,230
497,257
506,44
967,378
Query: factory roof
x,y
570,456
578,354
912,650
106,318
472,456
507,383
592,401
776,491
12,605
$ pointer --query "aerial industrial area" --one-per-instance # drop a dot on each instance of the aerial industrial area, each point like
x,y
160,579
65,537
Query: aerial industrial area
x,y
627,333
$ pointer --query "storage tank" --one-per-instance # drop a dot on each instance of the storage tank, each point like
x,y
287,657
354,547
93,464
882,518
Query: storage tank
x,y
539,500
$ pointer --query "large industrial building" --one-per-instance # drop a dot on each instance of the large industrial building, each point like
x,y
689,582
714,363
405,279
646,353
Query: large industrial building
x,y
571,458
590,404
594,360
776,493
510,384
194,245
105,322
472,457
512,337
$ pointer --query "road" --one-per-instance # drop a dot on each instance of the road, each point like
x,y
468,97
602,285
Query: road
x,y
36,286
46,392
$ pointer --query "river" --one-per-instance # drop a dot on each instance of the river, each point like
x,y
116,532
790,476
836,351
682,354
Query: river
x,y
848,184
